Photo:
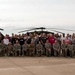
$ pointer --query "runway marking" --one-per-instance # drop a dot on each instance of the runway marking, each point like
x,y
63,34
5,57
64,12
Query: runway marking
x,y
18,68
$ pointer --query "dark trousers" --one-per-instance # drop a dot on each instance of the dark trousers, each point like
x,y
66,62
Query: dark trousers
x,y
52,50
21,49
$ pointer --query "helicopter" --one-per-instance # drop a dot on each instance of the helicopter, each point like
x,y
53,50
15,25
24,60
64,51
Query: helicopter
x,y
39,30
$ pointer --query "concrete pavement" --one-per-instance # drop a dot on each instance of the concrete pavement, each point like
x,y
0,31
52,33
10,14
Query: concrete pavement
x,y
37,66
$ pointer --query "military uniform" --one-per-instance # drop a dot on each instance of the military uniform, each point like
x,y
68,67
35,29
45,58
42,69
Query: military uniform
x,y
31,49
64,48
17,49
48,49
10,50
56,48
25,49
71,49
39,49
2,49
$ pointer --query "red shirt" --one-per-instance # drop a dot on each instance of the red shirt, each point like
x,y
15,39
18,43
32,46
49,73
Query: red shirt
x,y
51,40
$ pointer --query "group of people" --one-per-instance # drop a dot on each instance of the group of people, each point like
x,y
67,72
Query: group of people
x,y
37,45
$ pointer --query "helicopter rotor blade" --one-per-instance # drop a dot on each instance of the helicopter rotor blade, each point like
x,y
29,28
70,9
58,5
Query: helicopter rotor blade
x,y
57,31
33,29
52,29
1,29
26,30
62,29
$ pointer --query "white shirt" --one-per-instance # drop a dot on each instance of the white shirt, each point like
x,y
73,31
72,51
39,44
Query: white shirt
x,y
6,41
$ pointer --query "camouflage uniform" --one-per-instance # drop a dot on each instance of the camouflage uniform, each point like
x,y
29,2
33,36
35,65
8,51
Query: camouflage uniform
x,y
56,48
64,48
39,49
2,49
31,49
71,49
10,50
25,49
17,49
48,49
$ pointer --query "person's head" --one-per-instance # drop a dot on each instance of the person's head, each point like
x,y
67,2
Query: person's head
x,y
25,42
10,43
30,34
20,36
12,34
16,35
5,37
23,35
56,41
44,35
47,41
39,42
34,34
50,35
17,42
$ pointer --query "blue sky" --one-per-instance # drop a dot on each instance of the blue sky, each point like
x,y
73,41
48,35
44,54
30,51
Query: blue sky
x,y
35,13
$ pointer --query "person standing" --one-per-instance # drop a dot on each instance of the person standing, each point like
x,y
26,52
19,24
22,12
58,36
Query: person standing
x,y
51,39
21,41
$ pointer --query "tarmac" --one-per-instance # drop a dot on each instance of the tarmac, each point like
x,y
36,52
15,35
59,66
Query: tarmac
x,y
37,66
